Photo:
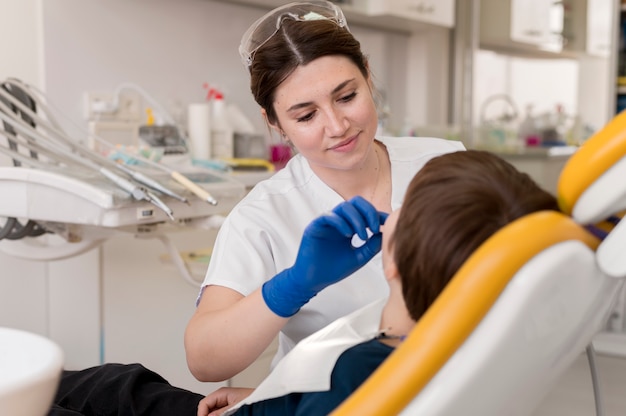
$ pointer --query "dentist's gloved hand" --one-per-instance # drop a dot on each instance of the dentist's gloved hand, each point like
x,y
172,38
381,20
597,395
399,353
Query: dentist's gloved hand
x,y
326,255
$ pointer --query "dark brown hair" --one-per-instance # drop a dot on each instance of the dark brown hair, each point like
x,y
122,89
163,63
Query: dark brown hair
x,y
453,204
298,43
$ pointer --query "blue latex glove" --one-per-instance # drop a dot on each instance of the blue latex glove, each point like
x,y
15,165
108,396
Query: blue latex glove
x,y
326,255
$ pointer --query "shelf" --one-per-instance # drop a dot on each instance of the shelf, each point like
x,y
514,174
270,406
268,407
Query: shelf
x,y
356,16
528,51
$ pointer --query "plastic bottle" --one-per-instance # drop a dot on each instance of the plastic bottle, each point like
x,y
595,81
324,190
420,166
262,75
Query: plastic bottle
x,y
528,134
199,128
222,141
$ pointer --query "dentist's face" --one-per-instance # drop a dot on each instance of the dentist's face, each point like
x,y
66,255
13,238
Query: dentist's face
x,y
326,109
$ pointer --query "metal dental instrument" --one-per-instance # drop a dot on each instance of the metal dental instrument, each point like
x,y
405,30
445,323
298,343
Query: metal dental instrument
x,y
193,187
177,176
135,191
138,176
35,163
141,178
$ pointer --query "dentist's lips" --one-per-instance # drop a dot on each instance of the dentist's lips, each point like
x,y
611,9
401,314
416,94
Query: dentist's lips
x,y
345,146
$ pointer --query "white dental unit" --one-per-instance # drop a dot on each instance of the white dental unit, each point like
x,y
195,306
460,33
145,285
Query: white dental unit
x,y
58,186
85,209
83,238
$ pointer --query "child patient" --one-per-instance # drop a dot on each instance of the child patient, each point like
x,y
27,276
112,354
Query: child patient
x,y
453,204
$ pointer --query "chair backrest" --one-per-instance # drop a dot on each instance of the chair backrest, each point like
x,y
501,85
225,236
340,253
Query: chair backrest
x,y
521,309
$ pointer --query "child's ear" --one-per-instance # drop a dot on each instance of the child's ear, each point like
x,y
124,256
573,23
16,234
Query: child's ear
x,y
391,271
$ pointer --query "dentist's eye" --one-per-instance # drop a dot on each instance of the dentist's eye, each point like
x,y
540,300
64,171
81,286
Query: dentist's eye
x,y
348,98
306,117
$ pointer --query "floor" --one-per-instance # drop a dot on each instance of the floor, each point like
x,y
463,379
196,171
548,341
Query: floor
x,y
573,396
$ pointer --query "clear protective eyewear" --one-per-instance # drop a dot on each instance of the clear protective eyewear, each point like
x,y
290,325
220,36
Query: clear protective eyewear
x,y
264,28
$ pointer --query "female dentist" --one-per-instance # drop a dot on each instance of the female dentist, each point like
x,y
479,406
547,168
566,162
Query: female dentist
x,y
313,84
270,273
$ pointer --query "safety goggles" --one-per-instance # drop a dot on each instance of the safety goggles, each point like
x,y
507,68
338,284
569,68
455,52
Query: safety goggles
x,y
263,29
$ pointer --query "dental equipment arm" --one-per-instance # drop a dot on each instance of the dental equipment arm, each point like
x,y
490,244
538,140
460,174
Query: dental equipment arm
x,y
60,139
53,127
135,191
326,255
79,155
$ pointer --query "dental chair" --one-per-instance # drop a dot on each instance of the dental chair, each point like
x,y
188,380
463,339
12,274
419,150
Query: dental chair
x,y
522,308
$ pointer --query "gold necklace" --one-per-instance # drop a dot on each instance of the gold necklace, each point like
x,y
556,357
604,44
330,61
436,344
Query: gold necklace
x,y
377,173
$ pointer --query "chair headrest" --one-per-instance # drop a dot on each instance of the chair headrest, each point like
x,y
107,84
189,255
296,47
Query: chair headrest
x,y
591,186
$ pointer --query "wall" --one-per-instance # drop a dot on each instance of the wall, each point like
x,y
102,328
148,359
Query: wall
x,y
171,49
21,41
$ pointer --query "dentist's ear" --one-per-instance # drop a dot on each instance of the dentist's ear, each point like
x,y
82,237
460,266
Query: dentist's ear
x,y
271,126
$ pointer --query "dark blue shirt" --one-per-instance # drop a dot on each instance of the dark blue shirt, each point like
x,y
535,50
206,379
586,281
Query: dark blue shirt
x,y
352,368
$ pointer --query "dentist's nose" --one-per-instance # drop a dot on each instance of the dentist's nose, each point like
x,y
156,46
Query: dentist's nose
x,y
337,124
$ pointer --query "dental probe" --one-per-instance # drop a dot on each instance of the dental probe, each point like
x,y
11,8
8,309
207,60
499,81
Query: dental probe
x,y
141,178
137,192
193,187
174,174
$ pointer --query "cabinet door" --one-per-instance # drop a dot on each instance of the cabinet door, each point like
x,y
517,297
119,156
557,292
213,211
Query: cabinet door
x,y
437,12
530,21
599,22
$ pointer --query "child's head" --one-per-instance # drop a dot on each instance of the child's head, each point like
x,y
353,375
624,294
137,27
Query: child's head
x,y
453,204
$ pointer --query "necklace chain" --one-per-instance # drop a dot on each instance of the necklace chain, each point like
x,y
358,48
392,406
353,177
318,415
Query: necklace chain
x,y
378,166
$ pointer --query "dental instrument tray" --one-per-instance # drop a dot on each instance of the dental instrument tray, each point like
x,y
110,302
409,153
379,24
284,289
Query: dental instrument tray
x,y
84,198
57,180
62,197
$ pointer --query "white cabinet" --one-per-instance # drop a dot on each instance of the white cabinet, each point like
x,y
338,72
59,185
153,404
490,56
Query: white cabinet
x,y
437,12
599,19
560,28
591,27
521,24
530,21
542,167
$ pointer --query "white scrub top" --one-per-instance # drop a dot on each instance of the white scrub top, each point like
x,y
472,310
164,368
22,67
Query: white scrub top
x,y
261,236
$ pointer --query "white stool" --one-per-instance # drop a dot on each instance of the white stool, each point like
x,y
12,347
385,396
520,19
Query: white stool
x,y
30,369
